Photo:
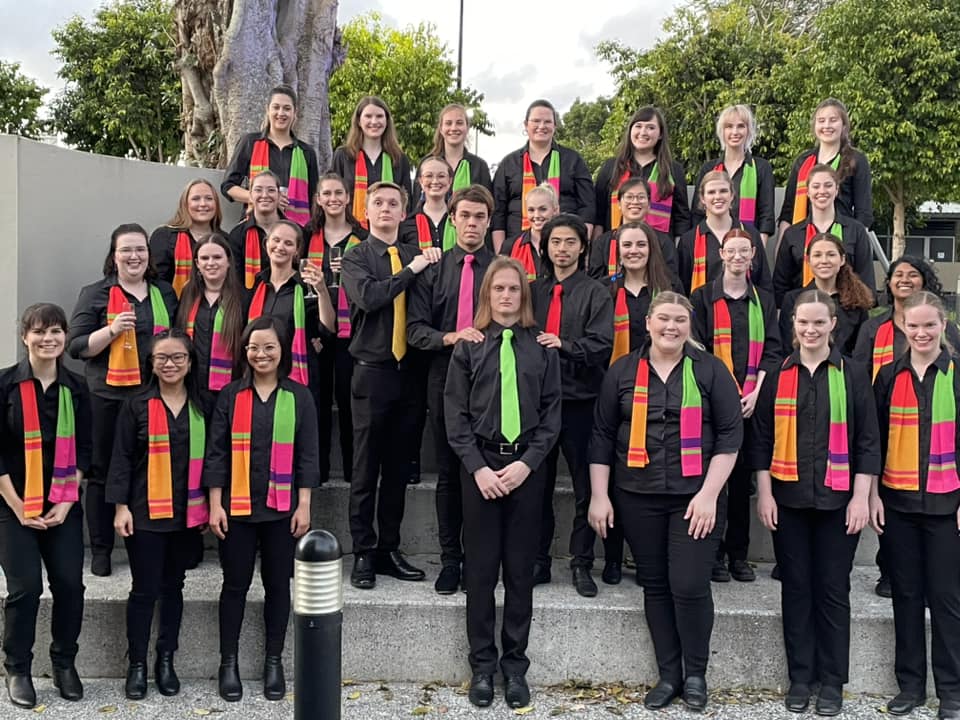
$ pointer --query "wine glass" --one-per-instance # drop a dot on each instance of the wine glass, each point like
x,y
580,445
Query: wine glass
x,y
336,252
304,265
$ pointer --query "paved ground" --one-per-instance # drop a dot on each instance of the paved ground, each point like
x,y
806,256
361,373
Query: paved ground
x,y
104,701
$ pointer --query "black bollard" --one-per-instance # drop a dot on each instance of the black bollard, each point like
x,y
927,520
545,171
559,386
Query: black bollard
x,y
318,626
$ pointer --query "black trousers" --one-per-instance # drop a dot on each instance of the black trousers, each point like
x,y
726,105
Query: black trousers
x,y
500,533
60,550
815,556
99,513
158,565
449,499
384,404
333,384
735,521
674,570
922,553
419,374
238,554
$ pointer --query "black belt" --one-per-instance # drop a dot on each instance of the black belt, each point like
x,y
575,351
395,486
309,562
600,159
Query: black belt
x,y
502,448
384,364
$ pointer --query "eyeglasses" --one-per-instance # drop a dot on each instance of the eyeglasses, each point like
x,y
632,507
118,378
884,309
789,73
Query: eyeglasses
x,y
162,359
129,252
265,191
268,349
635,198
741,252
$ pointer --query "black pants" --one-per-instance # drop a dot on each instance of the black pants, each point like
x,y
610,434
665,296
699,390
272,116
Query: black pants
x,y
99,513
420,370
384,407
158,565
333,384
735,522
674,570
815,556
22,550
238,554
500,533
449,499
923,556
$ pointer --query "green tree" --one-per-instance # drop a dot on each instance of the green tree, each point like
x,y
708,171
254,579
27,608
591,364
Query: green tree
x,y
410,70
122,94
581,128
20,100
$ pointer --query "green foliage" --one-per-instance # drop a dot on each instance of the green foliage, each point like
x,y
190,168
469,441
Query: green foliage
x,y
122,94
581,128
410,70
20,100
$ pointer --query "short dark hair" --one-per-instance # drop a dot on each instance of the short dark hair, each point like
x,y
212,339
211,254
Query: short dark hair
x,y
564,220
110,264
269,322
41,316
473,193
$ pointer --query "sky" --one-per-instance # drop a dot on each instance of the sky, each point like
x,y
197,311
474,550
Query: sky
x,y
513,52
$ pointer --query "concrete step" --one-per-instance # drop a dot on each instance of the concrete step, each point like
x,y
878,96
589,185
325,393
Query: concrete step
x,y
406,632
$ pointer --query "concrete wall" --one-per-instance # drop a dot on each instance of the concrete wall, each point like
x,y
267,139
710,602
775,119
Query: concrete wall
x,y
57,209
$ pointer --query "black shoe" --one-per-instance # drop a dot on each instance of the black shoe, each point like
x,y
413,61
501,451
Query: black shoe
x,y
720,572
883,588
67,681
694,694
829,701
583,582
516,691
395,565
541,574
775,573
448,581
136,685
660,696
100,565
798,697
363,576
904,703
949,710
612,573
414,478
20,691
741,571
164,675
481,690
228,679
274,684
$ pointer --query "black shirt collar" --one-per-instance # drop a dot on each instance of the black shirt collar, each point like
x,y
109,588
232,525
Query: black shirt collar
x,y
24,371
717,292
379,246
903,362
835,358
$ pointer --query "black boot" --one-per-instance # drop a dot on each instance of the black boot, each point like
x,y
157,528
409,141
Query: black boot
x,y
228,679
67,681
20,691
136,686
274,684
164,675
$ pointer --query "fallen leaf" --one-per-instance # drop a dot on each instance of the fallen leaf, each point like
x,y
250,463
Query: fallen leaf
x,y
558,710
526,710
201,712
355,695
108,709
39,708
421,710
347,683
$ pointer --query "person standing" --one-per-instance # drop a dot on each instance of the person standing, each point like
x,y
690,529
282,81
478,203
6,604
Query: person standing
x,y
450,143
248,236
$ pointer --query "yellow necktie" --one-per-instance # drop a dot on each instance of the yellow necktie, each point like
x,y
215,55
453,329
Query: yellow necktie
x,y
399,345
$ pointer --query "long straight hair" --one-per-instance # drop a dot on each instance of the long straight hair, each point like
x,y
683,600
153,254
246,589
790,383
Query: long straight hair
x,y
484,315
439,145
318,218
181,218
388,141
848,160
662,151
657,272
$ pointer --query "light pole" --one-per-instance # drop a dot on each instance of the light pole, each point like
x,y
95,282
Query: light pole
x,y
460,51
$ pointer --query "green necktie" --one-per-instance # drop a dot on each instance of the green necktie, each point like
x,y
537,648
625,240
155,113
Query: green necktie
x,y
509,399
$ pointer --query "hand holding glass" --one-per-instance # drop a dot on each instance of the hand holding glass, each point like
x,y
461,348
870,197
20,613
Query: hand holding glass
x,y
306,265
336,253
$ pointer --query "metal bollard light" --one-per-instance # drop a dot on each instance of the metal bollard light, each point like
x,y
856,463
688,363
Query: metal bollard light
x,y
318,626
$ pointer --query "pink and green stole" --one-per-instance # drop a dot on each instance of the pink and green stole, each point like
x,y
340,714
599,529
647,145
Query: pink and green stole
x,y
747,211
530,182
658,216
902,468
298,372
280,483
159,473
298,192
883,347
64,486
123,363
344,327
221,359
182,261
723,339
361,181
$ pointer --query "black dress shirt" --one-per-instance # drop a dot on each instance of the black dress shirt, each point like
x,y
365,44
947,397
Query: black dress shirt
x,y
524,238
12,459
238,244
863,351
238,172
722,429
576,188
813,432
345,165
915,501
849,321
90,314
203,338
279,304
759,269
607,183
598,265
471,397
765,221
586,331
163,242
854,196
409,234
217,466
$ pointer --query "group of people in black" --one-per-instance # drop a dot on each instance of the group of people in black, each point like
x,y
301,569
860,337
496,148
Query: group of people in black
x,y
522,316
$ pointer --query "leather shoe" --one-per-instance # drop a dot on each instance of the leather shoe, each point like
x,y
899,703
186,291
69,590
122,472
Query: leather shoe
x,y
612,573
481,690
798,697
67,681
883,588
363,576
720,572
741,571
228,679
395,565
448,581
949,710
694,694
829,701
516,691
660,696
136,685
904,703
100,565
541,574
164,675
274,684
583,582
20,691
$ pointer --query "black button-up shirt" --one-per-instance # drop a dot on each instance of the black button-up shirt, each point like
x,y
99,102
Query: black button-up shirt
x,y
607,183
863,351
813,431
765,221
598,265
409,234
915,501
238,172
524,238
722,430
345,165
203,336
471,397
238,245
163,242
855,195
217,467
759,269
849,321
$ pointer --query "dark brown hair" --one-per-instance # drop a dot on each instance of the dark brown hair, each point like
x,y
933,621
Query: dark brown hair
x,y
854,294
388,141
662,150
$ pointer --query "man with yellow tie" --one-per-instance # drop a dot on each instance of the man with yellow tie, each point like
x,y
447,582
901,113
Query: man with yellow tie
x,y
376,275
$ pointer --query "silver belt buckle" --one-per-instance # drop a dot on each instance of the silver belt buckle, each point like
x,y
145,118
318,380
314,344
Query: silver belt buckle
x,y
508,448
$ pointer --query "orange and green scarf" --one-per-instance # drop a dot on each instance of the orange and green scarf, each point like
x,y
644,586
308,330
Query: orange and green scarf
x,y
182,261
699,276
298,192
530,182
747,211
883,346
616,212
159,473
298,372
64,486
800,198
221,359
836,230
723,339
252,263
123,364
361,182
613,254
621,326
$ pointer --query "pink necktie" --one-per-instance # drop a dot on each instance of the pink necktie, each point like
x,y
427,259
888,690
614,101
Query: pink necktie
x,y
465,299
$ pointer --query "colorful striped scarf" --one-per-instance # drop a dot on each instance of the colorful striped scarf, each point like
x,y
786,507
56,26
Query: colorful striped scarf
x,y
252,263
699,276
621,326
800,198
747,210
883,346
159,473
64,486
424,234
530,182
658,216
836,230
317,247
182,261
280,484
361,180
616,212
221,359
613,254
902,468
344,327
691,421
298,372
723,339
298,189
522,250
123,364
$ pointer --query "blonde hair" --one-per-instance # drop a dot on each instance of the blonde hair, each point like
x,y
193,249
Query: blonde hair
x,y
746,114
547,189
712,176
669,297
439,145
181,218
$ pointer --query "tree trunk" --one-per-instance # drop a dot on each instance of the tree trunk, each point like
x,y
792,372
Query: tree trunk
x,y
899,240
